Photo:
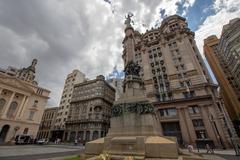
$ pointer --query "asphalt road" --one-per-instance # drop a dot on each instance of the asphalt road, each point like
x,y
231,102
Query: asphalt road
x,y
36,152
42,156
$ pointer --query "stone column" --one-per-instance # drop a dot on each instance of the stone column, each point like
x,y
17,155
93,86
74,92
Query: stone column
x,y
1,90
183,126
190,128
68,136
99,134
21,106
208,125
84,135
5,109
91,134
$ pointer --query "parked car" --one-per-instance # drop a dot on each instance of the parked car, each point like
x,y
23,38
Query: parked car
x,y
42,141
24,139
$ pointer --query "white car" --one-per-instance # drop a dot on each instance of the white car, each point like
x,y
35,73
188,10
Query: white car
x,y
42,141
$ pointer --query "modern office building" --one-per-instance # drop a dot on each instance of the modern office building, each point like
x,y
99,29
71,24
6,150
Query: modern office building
x,y
223,56
90,110
177,82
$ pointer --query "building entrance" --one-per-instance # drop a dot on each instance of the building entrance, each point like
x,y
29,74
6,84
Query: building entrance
x,y
172,129
3,133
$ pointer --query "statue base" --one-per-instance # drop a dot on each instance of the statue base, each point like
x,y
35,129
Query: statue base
x,y
140,147
133,132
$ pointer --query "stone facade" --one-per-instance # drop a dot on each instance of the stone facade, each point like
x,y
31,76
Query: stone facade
x,y
223,56
90,110
177,82
63,111
47,123
22,104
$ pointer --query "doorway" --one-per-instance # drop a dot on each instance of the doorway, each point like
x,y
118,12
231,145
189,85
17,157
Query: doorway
x,y
3,133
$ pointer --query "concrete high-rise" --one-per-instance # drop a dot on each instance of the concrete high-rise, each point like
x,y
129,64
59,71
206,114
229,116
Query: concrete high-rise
x,y
178,83
223,56
63,111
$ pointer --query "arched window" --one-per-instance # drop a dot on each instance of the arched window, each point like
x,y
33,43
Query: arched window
x,y
2,103
12,109
25,131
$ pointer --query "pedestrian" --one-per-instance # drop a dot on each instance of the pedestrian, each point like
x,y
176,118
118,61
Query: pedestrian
x,y
209,149
75,142
190,148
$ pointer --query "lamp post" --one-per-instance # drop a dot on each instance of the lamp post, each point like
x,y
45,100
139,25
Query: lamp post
x,y
15,131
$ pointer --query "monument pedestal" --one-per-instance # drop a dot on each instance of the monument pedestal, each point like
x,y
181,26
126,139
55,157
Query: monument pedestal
x,y
134,128
140,147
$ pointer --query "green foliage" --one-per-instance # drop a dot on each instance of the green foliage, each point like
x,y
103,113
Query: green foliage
x,y
72,158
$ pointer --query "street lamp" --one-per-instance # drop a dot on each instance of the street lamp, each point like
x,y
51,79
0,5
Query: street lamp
x,y
15,131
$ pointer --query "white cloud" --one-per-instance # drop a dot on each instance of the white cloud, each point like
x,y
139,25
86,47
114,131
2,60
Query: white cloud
x,y
225,10
64,35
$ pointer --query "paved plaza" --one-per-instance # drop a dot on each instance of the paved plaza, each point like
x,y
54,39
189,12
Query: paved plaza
x,y
32,152
53,152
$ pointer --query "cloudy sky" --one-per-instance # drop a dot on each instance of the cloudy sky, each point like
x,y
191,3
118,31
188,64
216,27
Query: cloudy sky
x,y
87,34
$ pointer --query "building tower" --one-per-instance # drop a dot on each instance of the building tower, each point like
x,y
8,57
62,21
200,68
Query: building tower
x,y
134,129
28,74
223,56
178,83
73,78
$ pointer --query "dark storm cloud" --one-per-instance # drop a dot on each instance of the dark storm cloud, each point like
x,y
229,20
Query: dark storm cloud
x,y
67,34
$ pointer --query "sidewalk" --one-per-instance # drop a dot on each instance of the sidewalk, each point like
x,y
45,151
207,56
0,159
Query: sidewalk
x,y
217,151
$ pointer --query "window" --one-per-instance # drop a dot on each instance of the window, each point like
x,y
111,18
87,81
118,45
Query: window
x,y
168,112
12,109
2,103
189,83
198,123
35,103
25,131
193,109
31,114
181,84
189,94
201,134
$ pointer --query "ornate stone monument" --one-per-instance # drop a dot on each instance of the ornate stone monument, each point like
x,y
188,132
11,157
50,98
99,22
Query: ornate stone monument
x,y
134,129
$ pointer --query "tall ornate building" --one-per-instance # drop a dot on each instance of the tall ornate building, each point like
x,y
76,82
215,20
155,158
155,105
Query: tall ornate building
x,y
47,123
178,83
90,110
224,58
63,111
22,104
